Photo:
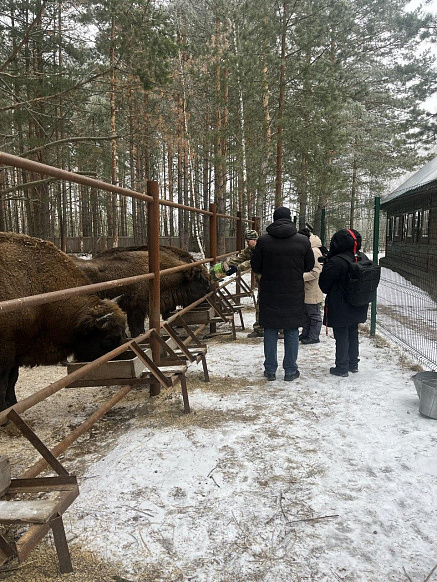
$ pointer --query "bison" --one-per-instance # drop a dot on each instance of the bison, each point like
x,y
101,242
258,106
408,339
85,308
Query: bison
x,y
185,256
181,288
84,326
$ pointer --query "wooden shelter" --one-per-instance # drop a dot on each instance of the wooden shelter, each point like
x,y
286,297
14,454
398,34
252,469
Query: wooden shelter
x,y
411,236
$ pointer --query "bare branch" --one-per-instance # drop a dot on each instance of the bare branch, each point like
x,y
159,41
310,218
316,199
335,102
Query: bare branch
x,y
25,37
26,185
48,97
68,140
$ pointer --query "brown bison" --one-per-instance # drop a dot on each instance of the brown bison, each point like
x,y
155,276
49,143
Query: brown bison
x,y
181,288
185,256
85,326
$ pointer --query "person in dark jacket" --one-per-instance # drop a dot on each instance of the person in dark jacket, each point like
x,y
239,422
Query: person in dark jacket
x,y
339,314
281,257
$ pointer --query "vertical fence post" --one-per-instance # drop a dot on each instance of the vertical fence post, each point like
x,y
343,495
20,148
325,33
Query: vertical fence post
x,y
375,260
154,267
213,248
256,221
239,245
322,225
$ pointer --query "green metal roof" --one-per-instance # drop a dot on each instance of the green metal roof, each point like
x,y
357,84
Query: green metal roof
x,y
421,178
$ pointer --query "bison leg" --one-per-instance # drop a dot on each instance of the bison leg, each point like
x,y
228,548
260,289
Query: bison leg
x,y
8,378
11,398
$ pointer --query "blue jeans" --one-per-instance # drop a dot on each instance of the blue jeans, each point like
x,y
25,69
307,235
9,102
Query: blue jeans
x,y
291,348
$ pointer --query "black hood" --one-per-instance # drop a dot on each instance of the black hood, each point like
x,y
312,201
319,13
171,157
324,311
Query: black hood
x,y
342,242
282,228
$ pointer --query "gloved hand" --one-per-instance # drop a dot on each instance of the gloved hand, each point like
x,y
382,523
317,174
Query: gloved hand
x,y
217,271
231,269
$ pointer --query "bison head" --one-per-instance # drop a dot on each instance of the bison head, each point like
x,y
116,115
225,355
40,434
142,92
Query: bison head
x,y
101,329
199,282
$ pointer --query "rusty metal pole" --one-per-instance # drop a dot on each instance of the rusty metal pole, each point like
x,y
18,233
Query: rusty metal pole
x,y
255,225
213,249
155,283
239,245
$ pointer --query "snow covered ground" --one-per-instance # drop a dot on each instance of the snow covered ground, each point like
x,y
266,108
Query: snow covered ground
x,y
322,479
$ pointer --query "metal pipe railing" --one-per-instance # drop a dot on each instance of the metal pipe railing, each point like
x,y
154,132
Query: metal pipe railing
x,y
37,397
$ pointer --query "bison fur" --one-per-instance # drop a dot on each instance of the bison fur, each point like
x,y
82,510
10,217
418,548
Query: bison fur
x,y
84,326
181,288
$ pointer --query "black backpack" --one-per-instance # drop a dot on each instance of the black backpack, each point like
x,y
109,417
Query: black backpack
x,y
363,280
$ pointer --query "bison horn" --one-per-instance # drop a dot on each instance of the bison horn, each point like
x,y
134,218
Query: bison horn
x,y
118,299
103,320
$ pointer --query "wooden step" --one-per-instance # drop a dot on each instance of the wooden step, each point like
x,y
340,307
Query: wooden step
x,y
37,511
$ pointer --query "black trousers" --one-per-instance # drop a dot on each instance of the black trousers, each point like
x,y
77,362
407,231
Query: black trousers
x,y
313,321
346,347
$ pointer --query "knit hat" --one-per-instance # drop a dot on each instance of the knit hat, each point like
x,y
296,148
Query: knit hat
x,y
281,212
251,235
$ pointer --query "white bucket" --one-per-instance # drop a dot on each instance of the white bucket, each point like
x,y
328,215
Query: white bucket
x,y
426,387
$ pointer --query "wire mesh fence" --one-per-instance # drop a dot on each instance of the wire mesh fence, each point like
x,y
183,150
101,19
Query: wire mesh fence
x,y
407,316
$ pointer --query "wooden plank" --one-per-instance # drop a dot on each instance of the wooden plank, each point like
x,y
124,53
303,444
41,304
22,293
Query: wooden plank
x,y
41,484
198,316
37,511
5,474
36,532
130,366
170,370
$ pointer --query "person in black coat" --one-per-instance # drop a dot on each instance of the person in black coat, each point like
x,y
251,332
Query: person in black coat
x,y
281,257
339,314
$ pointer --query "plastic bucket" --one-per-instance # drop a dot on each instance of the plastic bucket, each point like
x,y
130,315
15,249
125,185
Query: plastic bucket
x,y
426,387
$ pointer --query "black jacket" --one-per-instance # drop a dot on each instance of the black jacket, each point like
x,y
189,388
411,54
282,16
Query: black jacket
x,y
333,281
281,257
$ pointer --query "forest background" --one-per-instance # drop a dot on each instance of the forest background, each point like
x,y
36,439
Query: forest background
x,y
313,104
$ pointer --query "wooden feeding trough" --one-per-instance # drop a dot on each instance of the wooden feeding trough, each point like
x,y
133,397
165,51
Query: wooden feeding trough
x,y
203,313
135,367
127,365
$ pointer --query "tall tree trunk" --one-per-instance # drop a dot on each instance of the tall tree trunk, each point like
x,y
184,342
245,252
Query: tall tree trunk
x,y
261,195
61,186
113,215
303,190
242,183
353,191
183,238
205,179
132,163
220,146
170,186
279,144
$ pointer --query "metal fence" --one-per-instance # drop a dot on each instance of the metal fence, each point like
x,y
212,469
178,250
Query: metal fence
x,y
407,316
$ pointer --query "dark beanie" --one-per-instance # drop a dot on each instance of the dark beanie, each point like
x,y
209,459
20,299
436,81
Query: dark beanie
x,y
281,212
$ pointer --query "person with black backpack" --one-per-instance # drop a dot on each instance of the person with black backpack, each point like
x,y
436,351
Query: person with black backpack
x,y
349,280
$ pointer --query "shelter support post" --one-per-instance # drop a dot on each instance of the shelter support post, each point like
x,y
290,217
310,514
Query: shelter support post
x,y
154,266
375,259
213,249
